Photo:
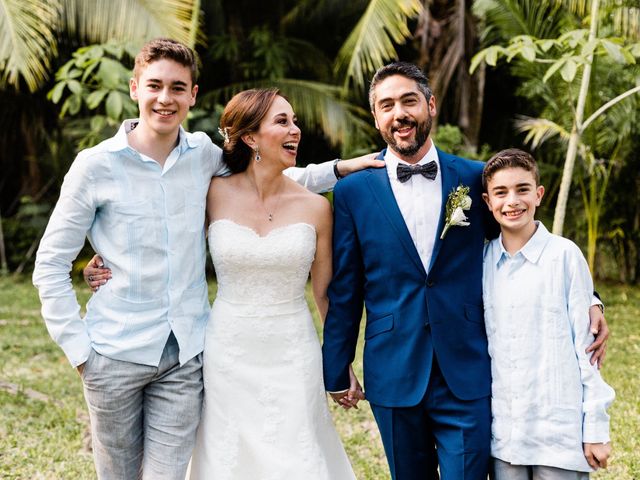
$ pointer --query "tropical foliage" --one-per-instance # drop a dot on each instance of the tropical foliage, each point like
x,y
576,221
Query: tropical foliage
x,y
559,70
64,66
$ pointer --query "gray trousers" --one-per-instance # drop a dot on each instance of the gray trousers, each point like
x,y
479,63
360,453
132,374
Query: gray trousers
x,y
506,471
143,419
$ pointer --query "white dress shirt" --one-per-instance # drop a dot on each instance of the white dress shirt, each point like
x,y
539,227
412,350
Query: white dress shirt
x,y
420,202
147,222
547,398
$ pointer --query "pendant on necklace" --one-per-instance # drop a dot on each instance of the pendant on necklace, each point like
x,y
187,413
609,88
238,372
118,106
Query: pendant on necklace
x,y
271,217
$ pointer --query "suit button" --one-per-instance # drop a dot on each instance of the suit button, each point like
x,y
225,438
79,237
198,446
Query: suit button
x,y
430,283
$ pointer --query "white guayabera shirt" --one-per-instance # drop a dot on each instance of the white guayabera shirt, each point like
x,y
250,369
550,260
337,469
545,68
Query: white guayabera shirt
x,y
147,222
547,398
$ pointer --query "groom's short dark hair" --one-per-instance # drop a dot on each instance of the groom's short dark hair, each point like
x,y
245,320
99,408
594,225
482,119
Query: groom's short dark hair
x,y
408,70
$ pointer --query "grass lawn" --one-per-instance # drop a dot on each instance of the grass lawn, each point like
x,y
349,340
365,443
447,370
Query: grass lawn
x,y
44,426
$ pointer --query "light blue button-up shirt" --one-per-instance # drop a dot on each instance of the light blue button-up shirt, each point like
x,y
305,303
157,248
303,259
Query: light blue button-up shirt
x,y
147,222
547,398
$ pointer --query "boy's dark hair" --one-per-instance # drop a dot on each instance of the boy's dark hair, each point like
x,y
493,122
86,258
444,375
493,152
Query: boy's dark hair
x,y
166,48
408,70
509,158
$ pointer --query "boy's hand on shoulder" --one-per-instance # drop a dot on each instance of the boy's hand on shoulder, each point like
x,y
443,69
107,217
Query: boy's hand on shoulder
x,y
597,454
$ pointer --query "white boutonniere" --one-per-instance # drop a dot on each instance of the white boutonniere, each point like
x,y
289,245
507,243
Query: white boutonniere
x,y
458,201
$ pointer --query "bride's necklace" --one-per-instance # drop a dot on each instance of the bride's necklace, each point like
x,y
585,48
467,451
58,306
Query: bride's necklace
x,y
275,207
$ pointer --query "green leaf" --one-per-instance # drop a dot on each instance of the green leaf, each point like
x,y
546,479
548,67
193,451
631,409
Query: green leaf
x,y
114,105
614,50
89,68
95,98
529,53
74,104
628,57
569,69
75,87
545,45
98,122
553,69
109,74
492,56
55,94
75,73
476,61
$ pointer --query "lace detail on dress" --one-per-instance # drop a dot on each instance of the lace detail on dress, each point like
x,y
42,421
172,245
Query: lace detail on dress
x,y
255,270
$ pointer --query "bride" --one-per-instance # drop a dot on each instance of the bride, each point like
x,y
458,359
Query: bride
x,y
265,412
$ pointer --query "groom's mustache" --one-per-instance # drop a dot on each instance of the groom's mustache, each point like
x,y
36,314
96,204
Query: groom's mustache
x,y
403,123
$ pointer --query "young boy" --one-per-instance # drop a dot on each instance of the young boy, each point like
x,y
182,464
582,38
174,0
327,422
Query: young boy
x,y
548,402
140,198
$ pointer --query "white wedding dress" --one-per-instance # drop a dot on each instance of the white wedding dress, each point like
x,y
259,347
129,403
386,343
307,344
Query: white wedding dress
x,y
265,413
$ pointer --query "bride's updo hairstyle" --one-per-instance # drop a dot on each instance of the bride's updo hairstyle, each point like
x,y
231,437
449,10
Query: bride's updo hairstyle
x,y
242,116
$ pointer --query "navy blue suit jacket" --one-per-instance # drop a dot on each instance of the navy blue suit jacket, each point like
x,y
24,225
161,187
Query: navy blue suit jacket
x,y
411,314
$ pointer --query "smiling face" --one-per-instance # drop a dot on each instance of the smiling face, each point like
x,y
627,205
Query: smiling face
x,y
512,196
164,92
404,117
278,136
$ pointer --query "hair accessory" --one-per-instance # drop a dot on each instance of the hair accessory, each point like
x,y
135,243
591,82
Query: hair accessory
x,y
258,157
224,133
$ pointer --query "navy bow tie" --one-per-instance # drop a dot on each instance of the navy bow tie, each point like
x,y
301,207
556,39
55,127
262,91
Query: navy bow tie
x,y
428,170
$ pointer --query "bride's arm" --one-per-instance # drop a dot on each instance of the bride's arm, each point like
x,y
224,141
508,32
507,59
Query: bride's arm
x,y
321,270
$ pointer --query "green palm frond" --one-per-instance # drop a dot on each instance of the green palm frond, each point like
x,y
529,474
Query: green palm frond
x,y
626,20
371,43
539,130
509,18
316,10
318,106
623,14
27,41
99,21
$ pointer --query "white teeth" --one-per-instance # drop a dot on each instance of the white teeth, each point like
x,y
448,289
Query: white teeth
x,y
290,146
513,214
164,112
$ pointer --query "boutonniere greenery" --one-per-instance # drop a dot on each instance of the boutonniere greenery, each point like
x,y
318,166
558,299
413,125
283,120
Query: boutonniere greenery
x,y
458,201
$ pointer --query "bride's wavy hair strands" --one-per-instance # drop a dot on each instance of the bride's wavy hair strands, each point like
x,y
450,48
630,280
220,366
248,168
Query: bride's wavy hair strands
x,y
242,116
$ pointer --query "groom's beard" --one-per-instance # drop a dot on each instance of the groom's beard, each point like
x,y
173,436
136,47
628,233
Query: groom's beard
x,y
408,148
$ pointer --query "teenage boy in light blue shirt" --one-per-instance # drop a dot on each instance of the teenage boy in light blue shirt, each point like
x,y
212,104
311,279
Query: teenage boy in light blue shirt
x,y
548,402
140,198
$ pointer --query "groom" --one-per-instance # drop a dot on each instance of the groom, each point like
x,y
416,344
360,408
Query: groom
x,y
426,365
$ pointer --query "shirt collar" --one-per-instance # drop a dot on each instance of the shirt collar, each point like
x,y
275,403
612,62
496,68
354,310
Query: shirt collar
x,y
531,250
119,141
392,161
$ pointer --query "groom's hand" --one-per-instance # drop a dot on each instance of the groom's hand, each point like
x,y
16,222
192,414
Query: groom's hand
x,y
349,398
345,400
345,167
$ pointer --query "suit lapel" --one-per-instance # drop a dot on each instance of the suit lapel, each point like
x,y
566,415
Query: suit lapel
x,y
449,182
378,180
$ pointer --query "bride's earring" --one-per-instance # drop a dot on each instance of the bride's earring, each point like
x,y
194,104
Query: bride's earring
x,y
258,157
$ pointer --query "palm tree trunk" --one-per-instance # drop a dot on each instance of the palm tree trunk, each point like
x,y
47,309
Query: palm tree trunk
x,y
572,150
